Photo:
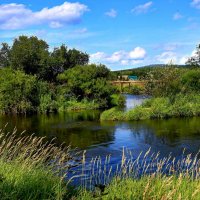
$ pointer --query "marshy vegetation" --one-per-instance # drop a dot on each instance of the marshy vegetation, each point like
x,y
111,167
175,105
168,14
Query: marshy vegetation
x,y
31,168
34,79
175,92
34,169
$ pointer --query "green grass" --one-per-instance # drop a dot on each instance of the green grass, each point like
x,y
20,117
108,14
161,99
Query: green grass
x,y
148,187
19,181
170,178
74,105
32,169
113,114
158,108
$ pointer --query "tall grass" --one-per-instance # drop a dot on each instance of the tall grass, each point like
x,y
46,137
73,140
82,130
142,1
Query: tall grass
x,y
148,187
158,108
147,176
31,168
75,105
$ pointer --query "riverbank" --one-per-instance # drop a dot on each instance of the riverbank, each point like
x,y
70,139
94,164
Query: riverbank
x,y
31,168
157,108
148,187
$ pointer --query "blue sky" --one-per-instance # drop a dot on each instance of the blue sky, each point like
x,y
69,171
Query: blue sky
x,y
119,33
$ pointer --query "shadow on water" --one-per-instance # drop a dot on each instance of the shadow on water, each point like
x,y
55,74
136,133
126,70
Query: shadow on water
x,y
79,129
85,131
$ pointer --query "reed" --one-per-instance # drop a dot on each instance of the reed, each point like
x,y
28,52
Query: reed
x,y
147,176
31,168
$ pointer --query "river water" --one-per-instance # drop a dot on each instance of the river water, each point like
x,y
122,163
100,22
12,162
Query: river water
x,y
85,131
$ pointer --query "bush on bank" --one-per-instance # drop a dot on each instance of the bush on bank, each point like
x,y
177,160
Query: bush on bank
x,y
149,187
171,80
82,88
158,108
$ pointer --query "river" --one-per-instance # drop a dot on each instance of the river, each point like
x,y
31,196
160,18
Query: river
x,y
85,131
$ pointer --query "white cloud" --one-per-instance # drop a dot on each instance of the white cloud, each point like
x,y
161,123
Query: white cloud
x,y
144,8
116,57
112,13
183,60
167,57
137,53
196,4
125,62
170,46
122,57
177,16
17,16
98,56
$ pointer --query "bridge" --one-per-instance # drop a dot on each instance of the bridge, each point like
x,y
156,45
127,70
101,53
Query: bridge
x,y
129,83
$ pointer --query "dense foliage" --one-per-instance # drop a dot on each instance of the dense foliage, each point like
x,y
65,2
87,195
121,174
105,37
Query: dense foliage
x,y
89,82
175,93
18,92
34,79
32,56
171,80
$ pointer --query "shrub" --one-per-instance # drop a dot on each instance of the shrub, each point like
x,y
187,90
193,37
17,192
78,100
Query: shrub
x,y
113,114
88,82
164,81
118,100
19,92
138,113
134,89
191,81
159,108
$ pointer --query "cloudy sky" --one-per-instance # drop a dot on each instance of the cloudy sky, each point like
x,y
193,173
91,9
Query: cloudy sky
x,y
119,33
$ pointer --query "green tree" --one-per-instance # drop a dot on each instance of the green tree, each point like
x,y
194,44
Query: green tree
x,y
89,81
19,93
191,81
76,57
4,55
30,54
164,81
63,59
59,58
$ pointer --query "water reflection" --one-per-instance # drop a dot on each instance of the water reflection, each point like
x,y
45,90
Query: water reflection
x,y
165,136
79,129
85,131
134,100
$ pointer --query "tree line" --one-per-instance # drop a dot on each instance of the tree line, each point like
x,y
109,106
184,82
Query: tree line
x,y
32,55
35,79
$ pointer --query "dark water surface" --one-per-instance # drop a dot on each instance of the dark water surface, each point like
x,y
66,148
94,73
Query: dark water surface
x,y
85,131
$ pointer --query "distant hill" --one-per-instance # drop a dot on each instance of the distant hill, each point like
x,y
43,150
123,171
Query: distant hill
x,y
146,66
140,71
